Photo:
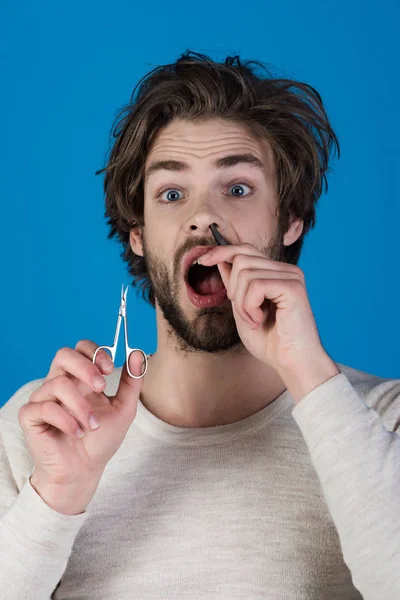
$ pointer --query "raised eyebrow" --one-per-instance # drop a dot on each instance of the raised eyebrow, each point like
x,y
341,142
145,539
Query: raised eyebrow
x,y
166,165
221,163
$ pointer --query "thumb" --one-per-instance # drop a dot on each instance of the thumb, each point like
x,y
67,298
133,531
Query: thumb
x,y
127,396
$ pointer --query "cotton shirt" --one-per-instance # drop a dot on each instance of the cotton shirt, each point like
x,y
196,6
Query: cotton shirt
x,y
295,502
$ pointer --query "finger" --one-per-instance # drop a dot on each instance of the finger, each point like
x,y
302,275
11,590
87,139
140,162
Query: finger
x,y
103,359
127,396
63,389
37,417
250,303
234,253
245,261
238,294
78,363
225,272
228,253
281,292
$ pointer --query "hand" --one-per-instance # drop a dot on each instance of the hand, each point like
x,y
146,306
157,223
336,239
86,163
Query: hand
x,y
271,308
68,468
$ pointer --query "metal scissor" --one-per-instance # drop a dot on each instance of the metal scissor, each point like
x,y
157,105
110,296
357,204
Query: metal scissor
x,y
128,351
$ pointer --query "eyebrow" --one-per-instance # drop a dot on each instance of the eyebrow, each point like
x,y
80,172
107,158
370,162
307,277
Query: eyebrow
x,y
221,163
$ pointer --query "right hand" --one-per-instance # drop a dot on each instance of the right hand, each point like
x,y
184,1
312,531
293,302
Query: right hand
x,y
68,469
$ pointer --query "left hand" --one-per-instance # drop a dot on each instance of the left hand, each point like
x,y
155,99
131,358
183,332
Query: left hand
x,y
270,306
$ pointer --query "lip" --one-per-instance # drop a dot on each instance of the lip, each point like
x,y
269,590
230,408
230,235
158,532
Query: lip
x,y
191,256
208,301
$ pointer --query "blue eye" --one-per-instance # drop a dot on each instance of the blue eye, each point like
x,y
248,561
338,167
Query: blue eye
x,y
170,191
238,190
239,187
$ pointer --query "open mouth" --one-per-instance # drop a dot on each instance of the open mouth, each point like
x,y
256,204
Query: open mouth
x,y
205,286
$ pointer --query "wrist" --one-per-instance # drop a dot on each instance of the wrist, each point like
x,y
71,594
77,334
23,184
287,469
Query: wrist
x,y
71,499
309,375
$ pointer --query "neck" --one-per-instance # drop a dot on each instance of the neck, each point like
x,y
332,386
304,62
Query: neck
x,y
198,389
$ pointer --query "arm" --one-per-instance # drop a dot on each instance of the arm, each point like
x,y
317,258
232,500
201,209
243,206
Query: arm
x,y
35,540
358,464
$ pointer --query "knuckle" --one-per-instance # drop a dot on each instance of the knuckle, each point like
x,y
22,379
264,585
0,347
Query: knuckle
x,y
86,347
241,260
81,345
62,380
34,394
61,354
46,408
255,285
61,384
299,271
243,275
296,284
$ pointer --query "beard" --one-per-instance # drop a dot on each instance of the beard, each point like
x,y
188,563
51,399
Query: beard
x,y
213,329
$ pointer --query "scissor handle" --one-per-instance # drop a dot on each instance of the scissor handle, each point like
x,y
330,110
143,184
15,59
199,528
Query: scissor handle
x,y
128,353
111,349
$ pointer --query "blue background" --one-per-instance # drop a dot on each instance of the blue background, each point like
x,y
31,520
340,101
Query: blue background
x,y
66,70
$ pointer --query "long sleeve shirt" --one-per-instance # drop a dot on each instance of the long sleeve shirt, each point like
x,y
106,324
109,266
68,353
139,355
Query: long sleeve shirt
x,y
295,502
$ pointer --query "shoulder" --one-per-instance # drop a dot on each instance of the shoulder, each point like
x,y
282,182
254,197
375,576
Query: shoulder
x,y
379,393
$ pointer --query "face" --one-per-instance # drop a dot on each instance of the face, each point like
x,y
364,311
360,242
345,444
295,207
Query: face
x,y
196,187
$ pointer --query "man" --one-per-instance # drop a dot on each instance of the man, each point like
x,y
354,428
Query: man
x,y
246,463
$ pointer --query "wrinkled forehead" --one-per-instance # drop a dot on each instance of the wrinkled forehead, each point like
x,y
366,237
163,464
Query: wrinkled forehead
x,y
206,140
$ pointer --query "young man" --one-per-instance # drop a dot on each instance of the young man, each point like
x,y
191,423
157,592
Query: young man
x,y
246,463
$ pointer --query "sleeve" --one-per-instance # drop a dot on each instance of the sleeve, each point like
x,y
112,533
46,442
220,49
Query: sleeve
x,y
35,540
357,461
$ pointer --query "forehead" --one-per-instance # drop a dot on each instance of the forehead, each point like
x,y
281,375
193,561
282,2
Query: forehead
x,y
207,139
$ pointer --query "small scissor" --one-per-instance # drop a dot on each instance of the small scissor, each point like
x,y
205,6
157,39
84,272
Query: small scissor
x,y
128,350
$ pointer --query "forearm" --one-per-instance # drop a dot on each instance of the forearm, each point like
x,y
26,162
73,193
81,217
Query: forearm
x,y
358,463
35,544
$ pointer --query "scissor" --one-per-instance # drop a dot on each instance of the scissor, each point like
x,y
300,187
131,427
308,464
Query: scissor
x,y
128,350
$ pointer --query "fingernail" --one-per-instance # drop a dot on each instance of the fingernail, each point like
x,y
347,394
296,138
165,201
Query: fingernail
x,y
204,257
106,365
98,382
94,423
79,433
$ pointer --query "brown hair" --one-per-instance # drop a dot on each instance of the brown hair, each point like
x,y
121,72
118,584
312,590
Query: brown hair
x,y
289,114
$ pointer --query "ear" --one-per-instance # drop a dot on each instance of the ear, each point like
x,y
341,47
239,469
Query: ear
x,y
294,232
135,240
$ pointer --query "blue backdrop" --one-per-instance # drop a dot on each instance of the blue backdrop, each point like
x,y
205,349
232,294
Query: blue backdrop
x,y
66,70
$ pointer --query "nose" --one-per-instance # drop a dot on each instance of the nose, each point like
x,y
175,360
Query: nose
x,y
200,219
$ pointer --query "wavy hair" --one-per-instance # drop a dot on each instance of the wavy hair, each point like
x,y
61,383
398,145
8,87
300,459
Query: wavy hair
x,y
288,113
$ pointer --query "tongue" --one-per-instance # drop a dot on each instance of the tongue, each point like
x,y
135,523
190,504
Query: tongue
x,y
210,284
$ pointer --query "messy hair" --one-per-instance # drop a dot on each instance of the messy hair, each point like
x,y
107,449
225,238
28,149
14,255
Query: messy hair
x,y
289,114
